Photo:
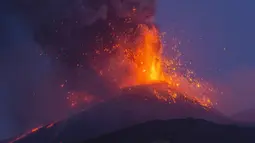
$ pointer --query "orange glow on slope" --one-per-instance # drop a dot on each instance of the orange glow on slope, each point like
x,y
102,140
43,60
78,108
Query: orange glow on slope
x,y
34,130
78,99
50,125
26,134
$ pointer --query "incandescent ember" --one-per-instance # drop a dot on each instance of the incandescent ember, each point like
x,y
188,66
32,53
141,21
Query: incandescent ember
x,y
142,62
118,43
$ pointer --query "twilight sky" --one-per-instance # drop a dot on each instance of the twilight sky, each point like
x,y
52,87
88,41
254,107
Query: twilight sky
x,y
216,35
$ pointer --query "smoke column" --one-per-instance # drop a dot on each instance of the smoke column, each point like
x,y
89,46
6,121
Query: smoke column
x,y
29,88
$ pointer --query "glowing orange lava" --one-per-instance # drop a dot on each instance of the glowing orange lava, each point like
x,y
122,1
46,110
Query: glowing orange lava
x,y
147,58
34,130
50,125
149,66
142,62
26,134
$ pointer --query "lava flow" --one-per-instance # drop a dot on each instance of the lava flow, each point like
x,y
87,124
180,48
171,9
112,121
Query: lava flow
x,y
34,130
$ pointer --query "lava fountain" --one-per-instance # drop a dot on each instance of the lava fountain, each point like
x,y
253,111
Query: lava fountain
x,y
151,66
141,62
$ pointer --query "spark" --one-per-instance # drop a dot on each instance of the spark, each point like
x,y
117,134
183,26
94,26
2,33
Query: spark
x,y
142,62
156,68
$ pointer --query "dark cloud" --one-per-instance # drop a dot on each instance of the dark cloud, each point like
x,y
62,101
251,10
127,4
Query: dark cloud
x,y
29,94
30,91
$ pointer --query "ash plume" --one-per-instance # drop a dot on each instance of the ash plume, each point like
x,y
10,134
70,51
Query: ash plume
x,y
30,93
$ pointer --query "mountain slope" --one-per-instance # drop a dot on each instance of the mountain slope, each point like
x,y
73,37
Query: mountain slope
x,y
133,106
246,116
181,131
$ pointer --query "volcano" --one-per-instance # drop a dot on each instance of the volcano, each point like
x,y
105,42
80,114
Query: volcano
x,y
124,48
132,106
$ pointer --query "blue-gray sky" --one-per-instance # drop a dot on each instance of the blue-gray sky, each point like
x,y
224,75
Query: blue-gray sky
x,y
205,28
218,37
